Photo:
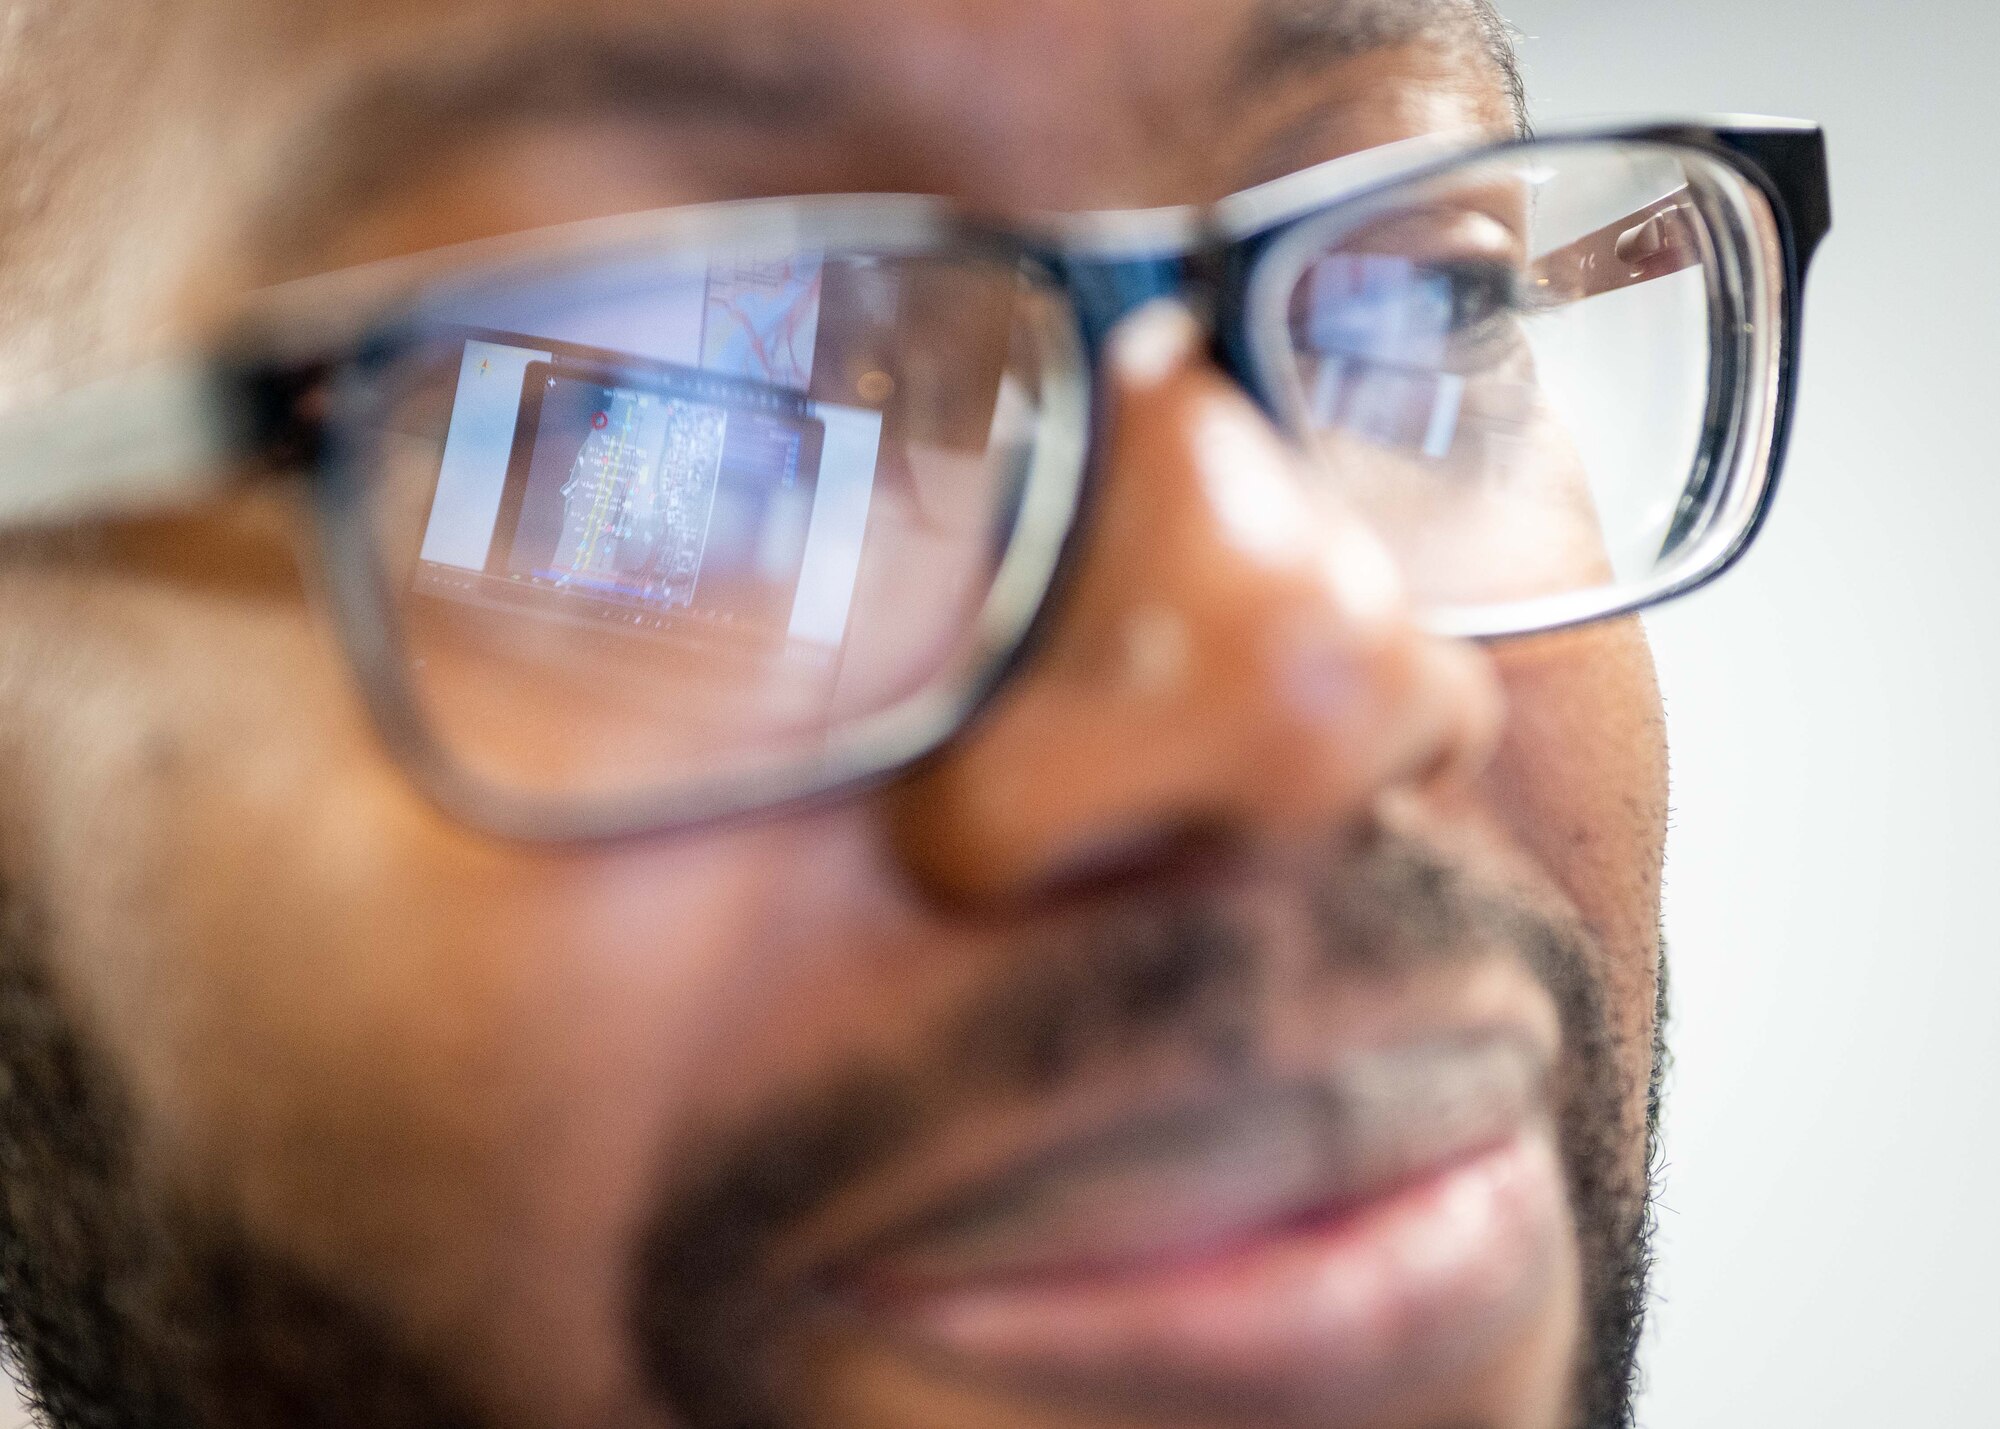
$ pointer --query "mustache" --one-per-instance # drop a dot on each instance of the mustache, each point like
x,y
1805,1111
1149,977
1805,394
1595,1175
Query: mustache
x,y
1181,973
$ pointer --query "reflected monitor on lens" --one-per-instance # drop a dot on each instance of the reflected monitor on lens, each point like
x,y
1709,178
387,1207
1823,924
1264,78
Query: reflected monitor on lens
x,y
596,486
654,491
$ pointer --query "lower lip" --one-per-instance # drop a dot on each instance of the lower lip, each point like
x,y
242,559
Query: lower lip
x,y
1323,1321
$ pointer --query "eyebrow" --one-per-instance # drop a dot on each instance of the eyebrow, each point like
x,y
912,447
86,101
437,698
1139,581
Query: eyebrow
x,y
385,125
1290,38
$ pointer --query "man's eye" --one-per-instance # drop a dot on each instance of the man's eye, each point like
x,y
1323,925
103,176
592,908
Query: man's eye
x,y
1440,314
1482,295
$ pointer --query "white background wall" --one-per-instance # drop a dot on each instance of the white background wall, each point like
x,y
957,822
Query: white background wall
x,y
1830,1248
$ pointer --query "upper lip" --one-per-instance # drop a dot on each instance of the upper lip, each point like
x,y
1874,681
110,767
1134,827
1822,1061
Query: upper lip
x,y
1174,1184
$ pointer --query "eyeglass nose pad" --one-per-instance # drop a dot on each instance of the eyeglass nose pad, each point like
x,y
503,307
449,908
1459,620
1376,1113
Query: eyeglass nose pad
x,y
1106,291
1212,284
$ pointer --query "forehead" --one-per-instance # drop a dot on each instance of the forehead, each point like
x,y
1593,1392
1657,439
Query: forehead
x,y
257,138
1044,53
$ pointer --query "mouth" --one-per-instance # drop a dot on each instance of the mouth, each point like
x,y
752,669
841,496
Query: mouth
x,y
1309,1249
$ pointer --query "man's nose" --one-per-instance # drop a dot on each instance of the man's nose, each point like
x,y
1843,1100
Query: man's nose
x,y
1235,658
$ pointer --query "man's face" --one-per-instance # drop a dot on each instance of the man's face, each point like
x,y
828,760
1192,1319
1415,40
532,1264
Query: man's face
x,y
1247,1021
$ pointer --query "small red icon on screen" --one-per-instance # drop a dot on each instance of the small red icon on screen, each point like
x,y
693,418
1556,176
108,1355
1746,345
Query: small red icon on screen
x,y
601,421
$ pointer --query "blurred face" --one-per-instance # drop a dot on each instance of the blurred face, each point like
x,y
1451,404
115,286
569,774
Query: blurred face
x,y
1247,1021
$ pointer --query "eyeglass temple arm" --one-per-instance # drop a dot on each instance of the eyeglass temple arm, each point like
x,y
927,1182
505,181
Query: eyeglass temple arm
x,y
1663,238
1654,242
155,439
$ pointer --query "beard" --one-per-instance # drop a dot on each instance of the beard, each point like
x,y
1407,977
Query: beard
x,y
128,1306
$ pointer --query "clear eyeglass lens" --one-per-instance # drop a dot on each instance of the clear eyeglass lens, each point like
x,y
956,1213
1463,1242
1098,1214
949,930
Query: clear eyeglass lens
x,y
661,521
1528,373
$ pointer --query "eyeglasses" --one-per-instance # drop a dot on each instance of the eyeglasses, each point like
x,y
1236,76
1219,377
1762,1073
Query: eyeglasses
x,y
658,519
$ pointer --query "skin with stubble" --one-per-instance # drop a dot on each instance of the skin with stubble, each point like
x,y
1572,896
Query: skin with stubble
x,y
318,1108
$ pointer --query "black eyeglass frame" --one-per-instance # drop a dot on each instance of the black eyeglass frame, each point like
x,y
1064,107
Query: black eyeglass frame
x,y
268,400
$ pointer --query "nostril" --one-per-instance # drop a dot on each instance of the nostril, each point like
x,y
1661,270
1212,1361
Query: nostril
x,y
1469,697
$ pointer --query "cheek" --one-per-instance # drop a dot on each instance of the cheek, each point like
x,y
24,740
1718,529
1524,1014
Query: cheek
x,y
1581,775
431,1067
1580,783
